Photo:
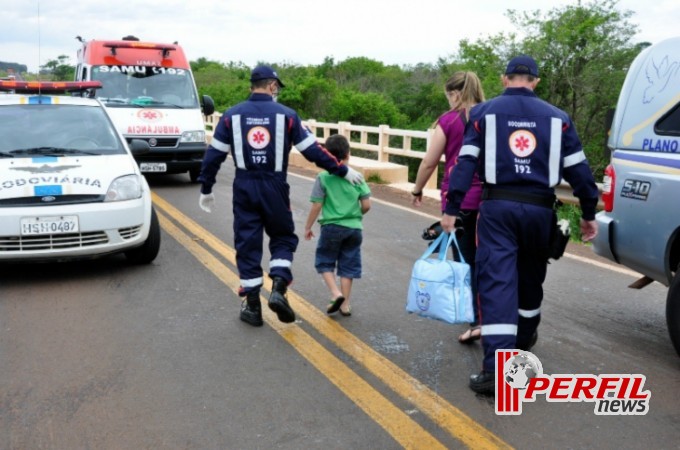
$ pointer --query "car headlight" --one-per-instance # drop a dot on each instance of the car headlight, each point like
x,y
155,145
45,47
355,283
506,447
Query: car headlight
x,y
193,136
124,188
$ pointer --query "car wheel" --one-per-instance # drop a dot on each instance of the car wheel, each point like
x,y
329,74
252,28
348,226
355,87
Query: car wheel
x,y
673,312
148,251
193,175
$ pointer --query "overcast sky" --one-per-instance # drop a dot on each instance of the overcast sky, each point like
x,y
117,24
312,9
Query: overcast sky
x,y
403,32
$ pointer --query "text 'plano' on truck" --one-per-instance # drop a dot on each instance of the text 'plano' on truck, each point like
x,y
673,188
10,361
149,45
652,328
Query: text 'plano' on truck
x,y
640,225
151,94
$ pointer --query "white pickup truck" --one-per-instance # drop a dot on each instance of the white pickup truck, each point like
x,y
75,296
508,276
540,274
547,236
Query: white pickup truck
x,y
640,224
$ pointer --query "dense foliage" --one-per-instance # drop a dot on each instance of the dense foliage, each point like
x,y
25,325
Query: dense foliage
x,y
583,51
6,68
59,69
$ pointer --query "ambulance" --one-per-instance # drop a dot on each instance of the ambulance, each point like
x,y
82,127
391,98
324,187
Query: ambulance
x,y
640,225
151,95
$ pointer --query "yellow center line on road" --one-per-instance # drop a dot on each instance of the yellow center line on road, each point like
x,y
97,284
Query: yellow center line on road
x,y
445,415
408,433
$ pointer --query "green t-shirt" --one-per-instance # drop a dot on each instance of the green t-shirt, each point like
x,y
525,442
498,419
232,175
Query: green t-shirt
x,y
340,200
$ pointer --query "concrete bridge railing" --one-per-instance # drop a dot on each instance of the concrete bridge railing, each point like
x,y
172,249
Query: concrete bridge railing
x,y
379,140
371,139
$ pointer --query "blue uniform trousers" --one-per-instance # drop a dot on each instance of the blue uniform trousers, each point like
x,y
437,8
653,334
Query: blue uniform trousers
x,y
261,203
510,269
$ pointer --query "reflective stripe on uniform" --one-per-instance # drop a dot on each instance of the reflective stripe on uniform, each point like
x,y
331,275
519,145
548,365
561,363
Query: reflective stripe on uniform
x,y
529,313
574,159
504,329
279,263
252,282
305,143
555,151
490,156
471,150
219,145
280,128
238,141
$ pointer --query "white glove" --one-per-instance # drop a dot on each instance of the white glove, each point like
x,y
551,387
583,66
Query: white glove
x,y
353,176
206,202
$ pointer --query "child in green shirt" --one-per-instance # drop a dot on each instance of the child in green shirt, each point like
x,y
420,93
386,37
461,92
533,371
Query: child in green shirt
x,y
342,206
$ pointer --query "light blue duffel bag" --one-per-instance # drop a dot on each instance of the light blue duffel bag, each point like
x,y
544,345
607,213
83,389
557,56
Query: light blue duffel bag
x,y
440,288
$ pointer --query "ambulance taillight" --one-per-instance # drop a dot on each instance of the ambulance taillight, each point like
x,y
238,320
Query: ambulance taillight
x,y
608,188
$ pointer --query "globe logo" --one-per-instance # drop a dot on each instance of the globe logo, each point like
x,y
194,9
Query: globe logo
x,y
521,368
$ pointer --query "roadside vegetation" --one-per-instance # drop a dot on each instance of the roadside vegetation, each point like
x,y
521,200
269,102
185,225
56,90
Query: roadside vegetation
x,y
583,52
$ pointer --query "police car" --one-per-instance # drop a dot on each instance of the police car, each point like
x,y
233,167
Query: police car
x,y
69,185
640,224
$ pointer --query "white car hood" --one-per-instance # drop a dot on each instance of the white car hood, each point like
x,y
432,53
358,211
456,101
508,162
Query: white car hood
x,y
70,175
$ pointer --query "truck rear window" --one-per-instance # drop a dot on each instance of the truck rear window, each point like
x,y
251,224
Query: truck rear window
x,y
669,124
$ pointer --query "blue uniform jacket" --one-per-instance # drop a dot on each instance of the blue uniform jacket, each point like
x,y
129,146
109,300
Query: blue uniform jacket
x,y
259,134
518,141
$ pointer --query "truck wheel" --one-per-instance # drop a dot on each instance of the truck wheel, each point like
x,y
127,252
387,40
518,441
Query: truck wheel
x,y
193,175
148,251
673,312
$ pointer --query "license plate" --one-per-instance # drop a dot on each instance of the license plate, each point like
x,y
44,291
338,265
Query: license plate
x,y
153,167
49,225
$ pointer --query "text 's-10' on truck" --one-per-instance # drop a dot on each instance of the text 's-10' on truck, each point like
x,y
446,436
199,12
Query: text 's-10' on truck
x,y
640,225
150,93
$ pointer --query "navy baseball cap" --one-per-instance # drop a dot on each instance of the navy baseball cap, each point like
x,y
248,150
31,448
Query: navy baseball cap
x,y
264,73
522,65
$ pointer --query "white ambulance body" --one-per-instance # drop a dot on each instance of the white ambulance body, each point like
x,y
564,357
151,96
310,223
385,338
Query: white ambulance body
x,y
150,93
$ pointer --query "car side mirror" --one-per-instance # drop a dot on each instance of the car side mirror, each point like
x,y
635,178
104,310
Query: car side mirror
x,y
207,105
139,147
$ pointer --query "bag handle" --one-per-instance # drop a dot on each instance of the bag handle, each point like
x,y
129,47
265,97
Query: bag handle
x,y
438,242
452,238
443,243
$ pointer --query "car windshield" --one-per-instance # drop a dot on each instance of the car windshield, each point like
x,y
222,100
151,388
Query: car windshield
x,y
141,86
56,129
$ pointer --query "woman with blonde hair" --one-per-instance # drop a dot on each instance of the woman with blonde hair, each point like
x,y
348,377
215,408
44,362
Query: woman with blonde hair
x,y
463,90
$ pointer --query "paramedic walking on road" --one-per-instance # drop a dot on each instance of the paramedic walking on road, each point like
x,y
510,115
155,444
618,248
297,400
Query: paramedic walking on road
x,y
259,134
522,147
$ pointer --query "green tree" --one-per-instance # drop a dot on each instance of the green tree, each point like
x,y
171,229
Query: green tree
x,y
361,74
315,97
60,69
418,92
226,84
487,58
364,109
583,52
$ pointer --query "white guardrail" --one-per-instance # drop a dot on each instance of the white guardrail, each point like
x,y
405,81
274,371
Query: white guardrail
x,y
358,136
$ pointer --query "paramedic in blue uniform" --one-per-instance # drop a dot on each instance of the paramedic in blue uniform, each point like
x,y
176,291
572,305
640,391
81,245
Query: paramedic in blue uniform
x,y
521,147
259,133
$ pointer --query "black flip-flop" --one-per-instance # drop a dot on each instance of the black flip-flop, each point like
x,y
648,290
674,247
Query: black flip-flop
x,y
432,232
334,305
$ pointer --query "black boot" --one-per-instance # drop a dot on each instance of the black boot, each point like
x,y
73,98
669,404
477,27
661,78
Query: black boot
x,y
483,383
530,344
278,302
251,309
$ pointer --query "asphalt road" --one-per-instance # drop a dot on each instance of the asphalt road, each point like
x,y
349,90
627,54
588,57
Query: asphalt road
x,y
104,355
